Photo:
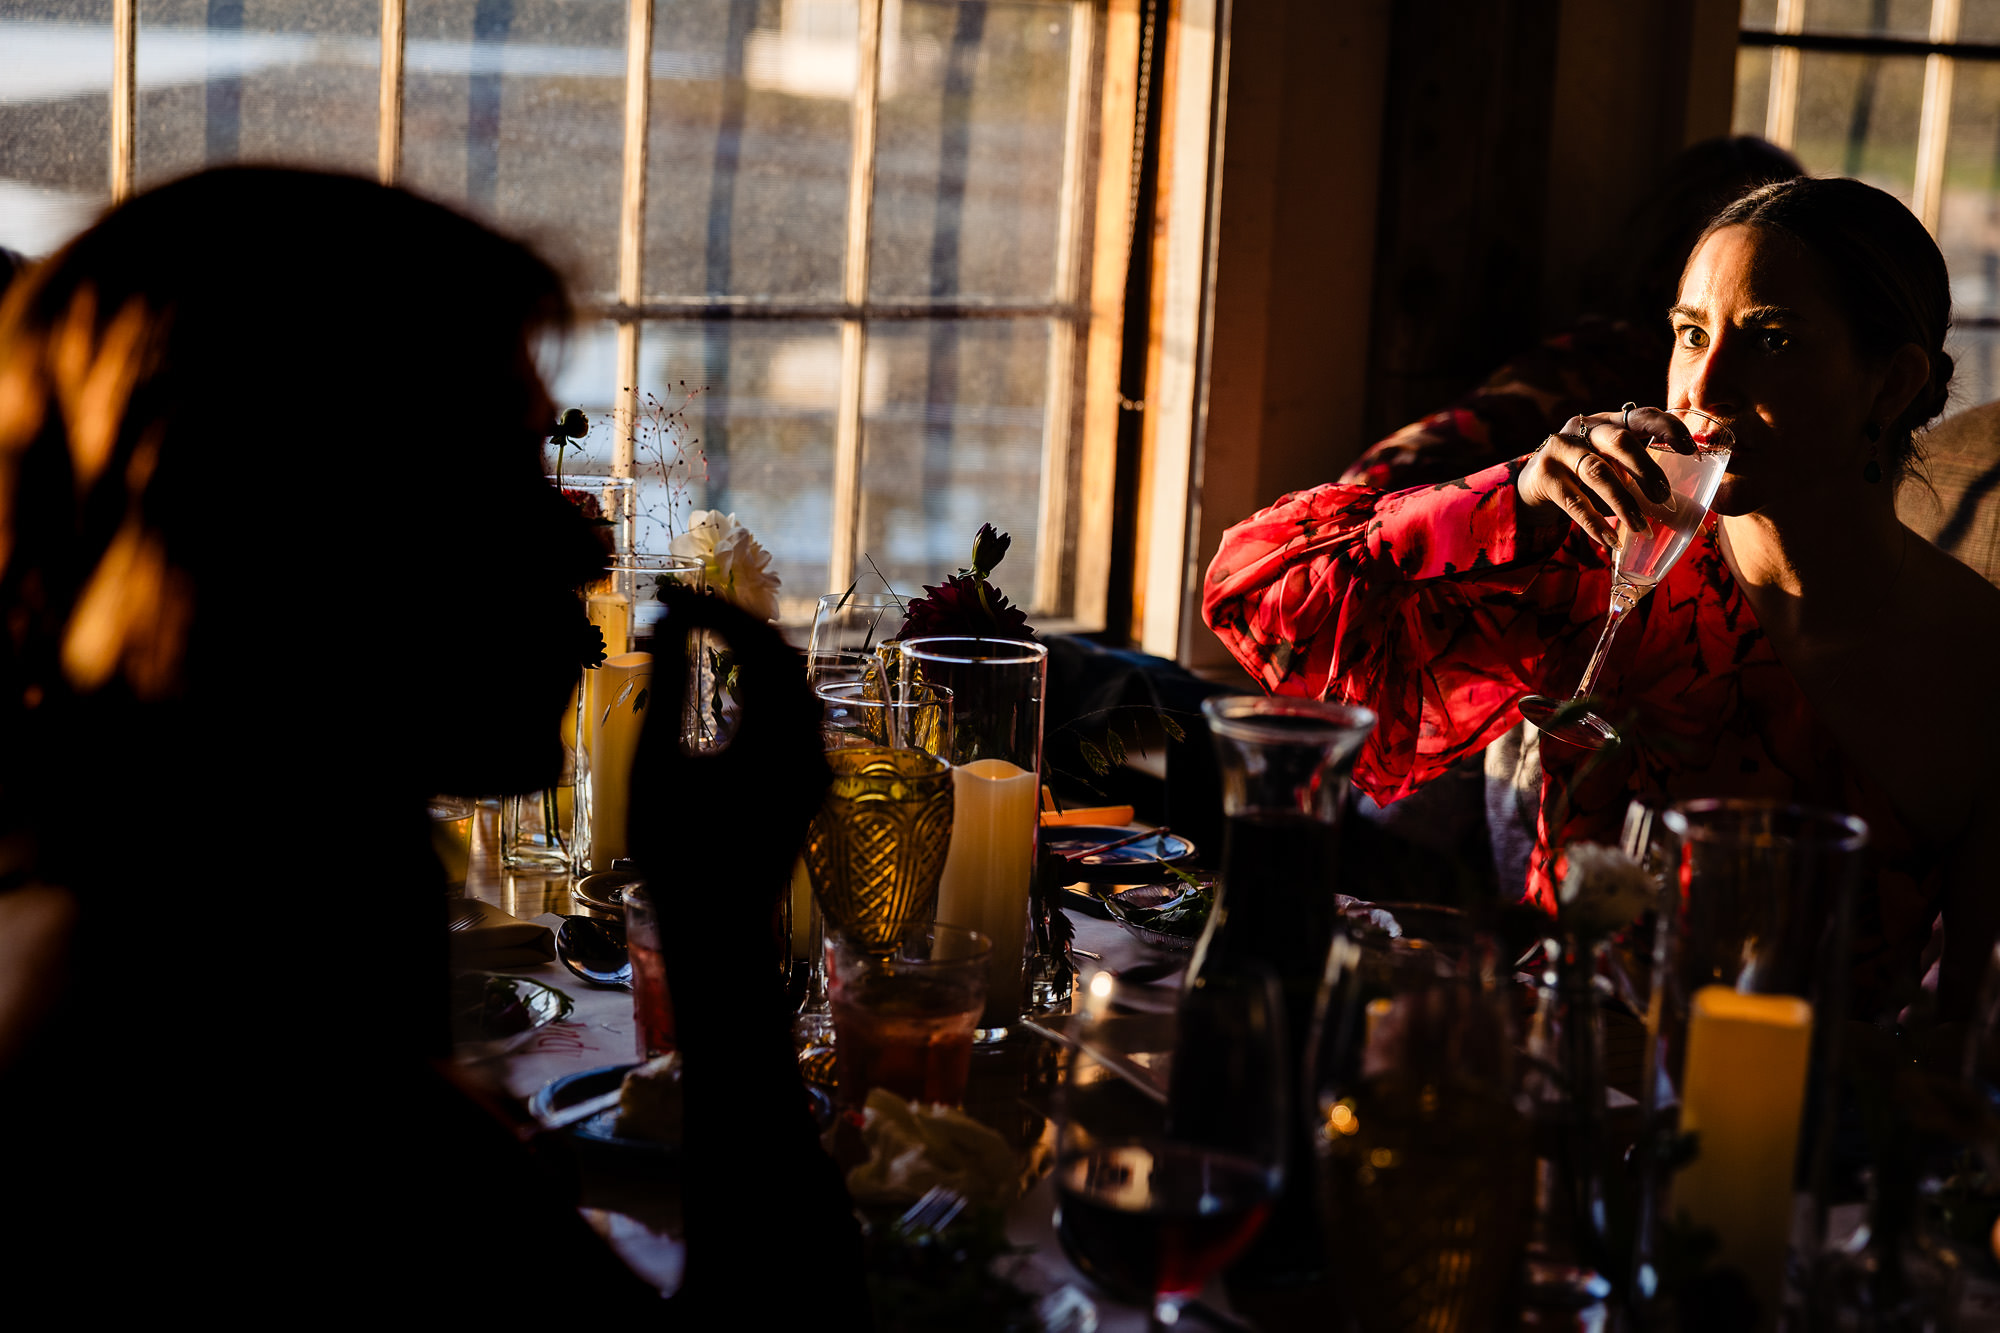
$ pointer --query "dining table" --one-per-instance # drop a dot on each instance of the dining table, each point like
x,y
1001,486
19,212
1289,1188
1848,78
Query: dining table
x,y
635,1205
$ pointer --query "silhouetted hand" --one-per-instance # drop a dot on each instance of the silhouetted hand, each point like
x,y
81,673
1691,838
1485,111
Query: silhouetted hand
x,y
718,833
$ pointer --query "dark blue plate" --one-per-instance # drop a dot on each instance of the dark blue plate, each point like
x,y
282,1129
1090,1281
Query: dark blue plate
x,y
1134,863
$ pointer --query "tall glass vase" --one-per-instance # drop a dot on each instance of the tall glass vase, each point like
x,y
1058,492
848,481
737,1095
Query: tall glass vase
x,y
625,606
997,688
1285,770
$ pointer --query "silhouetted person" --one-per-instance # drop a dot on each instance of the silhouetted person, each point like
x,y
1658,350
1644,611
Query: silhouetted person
x,y
278,562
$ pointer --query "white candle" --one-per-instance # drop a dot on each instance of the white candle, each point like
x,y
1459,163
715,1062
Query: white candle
x,y
1745,1088
988,869
615,698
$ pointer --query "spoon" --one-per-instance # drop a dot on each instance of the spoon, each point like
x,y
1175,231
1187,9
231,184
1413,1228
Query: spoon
x,y
595,950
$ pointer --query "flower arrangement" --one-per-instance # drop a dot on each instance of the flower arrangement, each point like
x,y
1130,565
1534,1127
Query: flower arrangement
x,y
735,566
967,603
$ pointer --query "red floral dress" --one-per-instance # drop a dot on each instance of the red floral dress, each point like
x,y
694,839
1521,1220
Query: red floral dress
x,y
1439,608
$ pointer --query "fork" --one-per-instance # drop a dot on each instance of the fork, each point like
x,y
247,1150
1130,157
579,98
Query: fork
x,y
934,1212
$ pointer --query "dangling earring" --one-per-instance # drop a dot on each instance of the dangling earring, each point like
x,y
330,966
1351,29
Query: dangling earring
x,y
1873,431
1871,471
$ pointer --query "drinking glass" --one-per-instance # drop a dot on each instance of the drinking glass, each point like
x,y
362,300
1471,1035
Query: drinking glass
x,y
652,1003
1285,766
877,846
1640,559
1422,1139
1170,1145
997,687
847,628
1759,897
903,1015
893,715
451,837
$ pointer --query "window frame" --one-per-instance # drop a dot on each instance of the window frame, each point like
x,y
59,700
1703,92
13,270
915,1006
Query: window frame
x,y
1787,39
1061,523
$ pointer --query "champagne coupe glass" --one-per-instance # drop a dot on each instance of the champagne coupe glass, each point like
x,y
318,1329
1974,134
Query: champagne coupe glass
x,y
1170,1144
1641,557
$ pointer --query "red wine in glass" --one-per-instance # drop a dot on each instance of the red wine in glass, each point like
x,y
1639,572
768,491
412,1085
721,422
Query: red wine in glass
x,y
1156,1220
1640,559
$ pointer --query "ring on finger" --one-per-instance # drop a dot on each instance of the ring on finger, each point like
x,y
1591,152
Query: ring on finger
x,y
1625,416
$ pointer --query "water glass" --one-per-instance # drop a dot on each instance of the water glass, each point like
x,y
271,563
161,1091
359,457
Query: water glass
x,y
451,837
997,688
1423,1142
903,1015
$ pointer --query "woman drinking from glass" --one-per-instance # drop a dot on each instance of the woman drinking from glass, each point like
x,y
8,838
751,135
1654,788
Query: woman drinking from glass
x,y
1806,647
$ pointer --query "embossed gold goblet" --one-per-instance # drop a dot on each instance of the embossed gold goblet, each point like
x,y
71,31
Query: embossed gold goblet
x,y
877,846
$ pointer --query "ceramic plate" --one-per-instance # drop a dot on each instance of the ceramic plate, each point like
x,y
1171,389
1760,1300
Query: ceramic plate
x,y
1134,863
492,1013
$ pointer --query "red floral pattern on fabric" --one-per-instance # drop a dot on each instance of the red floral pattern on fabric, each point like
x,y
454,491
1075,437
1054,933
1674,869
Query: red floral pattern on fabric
x,y
1439,608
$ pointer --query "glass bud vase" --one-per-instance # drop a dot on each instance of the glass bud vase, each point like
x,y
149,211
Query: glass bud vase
x,y
1285,770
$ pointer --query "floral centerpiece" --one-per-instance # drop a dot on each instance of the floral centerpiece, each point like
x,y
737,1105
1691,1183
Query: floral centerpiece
x,y
967,604
735,566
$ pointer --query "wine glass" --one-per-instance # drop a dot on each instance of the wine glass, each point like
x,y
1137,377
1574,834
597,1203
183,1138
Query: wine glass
x,y
846,630
1641,557
1170,1143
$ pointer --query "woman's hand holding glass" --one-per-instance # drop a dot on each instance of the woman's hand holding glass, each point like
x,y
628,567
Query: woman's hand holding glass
x,y
1600,467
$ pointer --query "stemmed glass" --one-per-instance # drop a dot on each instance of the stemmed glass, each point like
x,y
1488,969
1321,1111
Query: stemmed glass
x,y
1170,1145
846,630
1640,559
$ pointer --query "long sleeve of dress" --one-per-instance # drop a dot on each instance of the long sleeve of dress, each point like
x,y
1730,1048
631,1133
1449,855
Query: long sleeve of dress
x,y
1437,607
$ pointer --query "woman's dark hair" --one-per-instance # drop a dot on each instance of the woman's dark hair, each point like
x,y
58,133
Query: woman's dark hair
x,y
1639,275
355,349
1883,269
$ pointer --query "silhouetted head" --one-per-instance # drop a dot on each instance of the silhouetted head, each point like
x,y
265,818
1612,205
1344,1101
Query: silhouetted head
x,y
270,449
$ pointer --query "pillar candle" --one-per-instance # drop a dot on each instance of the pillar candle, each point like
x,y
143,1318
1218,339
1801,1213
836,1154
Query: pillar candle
x,y
987,872
615,698
1744,1091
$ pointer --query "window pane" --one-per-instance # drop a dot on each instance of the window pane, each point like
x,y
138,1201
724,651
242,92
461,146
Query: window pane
x,y
292,81
1753,89
1979,21
758,432
752,109
954,426
1877,18
1858,117
968,170
1969,223
55,120
1760,13
581,370
515,109
1975,375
